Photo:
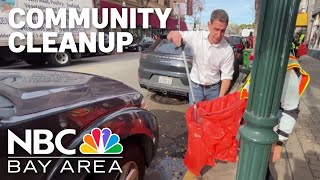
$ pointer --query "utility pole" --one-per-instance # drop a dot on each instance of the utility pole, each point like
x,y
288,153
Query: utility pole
x,y
179,15
275,32
177,12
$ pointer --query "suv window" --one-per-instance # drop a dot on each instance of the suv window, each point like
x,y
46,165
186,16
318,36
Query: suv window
x,y
168,47
235,40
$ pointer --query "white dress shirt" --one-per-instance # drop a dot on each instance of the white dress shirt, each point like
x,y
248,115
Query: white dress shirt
x,y
211,62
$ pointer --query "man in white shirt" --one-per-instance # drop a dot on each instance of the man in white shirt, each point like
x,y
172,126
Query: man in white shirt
x,y
213,57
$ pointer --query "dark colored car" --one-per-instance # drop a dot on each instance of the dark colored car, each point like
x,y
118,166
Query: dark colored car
x,y
56,101
162,68
139,44
236,42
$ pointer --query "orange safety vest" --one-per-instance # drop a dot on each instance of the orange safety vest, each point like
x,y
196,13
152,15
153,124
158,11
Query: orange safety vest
x,y
293,63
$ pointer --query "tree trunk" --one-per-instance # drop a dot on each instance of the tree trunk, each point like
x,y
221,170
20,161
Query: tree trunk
x,y
143,3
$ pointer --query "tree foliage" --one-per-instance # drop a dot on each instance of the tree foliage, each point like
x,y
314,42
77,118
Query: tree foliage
x,y
246,26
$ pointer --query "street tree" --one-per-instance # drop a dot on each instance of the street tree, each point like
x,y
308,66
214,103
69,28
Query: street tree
x,y
198,7
143,3
233,29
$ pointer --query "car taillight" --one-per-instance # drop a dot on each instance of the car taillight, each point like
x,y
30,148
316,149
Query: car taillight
x,y
144,105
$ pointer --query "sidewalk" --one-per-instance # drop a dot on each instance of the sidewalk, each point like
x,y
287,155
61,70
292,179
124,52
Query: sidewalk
x,y
301,155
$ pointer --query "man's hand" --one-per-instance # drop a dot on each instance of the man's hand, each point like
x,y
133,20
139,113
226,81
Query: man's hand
x,y
175,37
275,153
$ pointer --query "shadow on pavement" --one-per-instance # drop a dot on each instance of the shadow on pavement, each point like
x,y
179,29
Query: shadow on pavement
x,y
299,166
294,169
169,99
168,163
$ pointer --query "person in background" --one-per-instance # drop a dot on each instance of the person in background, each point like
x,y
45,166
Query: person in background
x,y
301,38
295,44
250,40
213,57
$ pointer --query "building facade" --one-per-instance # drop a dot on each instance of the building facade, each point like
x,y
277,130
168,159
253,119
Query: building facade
x,y
314,36
173,22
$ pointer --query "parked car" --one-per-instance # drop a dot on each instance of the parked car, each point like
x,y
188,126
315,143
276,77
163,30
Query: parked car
x,y
162,68
139,44
56,100
236,42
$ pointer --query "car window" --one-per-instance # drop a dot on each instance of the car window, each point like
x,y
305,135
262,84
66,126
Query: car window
x,y
234,40
168,47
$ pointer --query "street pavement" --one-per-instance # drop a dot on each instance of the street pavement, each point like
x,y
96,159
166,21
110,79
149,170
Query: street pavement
x,y
308,127
300,157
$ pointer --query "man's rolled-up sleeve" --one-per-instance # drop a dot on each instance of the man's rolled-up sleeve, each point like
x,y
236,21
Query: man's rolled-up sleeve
x,y
227,67
188,36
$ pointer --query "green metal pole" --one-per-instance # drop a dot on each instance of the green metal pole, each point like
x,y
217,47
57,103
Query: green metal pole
x,y
274,36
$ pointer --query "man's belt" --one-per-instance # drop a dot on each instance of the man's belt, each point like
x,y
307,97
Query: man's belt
x,y
205,85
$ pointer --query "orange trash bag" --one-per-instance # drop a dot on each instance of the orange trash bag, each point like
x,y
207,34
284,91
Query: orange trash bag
x,y
214,137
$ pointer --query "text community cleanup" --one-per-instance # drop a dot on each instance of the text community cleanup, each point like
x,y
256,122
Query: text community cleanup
x,y
69,19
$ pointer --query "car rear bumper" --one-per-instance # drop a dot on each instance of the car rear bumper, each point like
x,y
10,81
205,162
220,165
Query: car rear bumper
x,y
176,88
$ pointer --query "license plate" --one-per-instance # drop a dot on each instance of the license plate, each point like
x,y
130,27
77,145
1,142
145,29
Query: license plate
x,y
165,80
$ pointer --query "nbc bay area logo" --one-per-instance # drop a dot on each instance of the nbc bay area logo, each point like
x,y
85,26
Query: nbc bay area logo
x,y
40,143
101,142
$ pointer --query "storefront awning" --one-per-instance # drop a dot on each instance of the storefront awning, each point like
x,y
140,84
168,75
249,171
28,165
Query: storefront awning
x,y
302,20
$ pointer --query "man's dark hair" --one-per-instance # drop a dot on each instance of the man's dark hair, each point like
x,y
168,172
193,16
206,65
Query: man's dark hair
x,y
220,15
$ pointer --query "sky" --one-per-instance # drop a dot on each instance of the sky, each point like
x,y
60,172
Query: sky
x,y
240,11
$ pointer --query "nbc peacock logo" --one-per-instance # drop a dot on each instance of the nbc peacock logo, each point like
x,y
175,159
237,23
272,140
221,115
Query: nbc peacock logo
x,y
101,142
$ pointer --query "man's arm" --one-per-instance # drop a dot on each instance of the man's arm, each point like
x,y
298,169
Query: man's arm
x,y
178,36
225,84
227,70
290,99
